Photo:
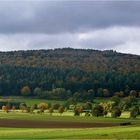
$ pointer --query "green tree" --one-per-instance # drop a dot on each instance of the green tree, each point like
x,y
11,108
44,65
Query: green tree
x,y
133,93
134,112
61,110
37,92
97,110
116,112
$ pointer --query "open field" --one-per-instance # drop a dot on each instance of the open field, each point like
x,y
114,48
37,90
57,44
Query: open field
x,y
29,101
18,125
89,133
48,117
67,129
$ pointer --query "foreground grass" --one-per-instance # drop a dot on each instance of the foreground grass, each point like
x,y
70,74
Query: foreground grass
x,y
47,117
129,132
100,133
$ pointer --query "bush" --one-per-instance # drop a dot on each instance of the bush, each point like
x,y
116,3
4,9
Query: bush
x,y
56,106
42,106
61,109
134,112
97,110
88,106
51,110
116,112
23,107
76,112
105,113
10,104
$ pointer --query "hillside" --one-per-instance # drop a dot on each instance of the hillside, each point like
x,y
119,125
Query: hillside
x,y
86,60
69,73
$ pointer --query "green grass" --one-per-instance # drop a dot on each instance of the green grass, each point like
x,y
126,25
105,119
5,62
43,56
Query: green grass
x,y
100,133
47,117
117,132
30,101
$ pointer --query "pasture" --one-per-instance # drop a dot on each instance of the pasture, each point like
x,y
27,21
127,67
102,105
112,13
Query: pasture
x,y
19,125
107,132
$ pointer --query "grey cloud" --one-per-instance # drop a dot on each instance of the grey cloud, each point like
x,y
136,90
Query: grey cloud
x,y
120,38
66,16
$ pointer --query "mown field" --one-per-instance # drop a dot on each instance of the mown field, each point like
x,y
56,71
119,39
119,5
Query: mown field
x,y
94,133
106,132
115,132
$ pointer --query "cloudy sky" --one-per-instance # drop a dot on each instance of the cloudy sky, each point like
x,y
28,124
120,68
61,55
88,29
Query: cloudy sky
x,y
78,24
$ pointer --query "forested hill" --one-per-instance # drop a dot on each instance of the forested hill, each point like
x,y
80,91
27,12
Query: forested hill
x,y
68,73
86,60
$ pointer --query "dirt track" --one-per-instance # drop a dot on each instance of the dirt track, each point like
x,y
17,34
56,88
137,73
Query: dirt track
x,y
51,124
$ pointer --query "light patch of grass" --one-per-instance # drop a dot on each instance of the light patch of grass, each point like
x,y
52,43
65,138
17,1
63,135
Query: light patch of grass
x,y
58,117
94,133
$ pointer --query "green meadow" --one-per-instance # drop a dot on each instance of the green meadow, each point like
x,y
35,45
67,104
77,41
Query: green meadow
x,y
114,132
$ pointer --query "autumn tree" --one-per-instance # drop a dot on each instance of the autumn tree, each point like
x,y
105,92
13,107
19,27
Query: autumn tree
x,y
51,110
61,110
42,106
25,91
23,107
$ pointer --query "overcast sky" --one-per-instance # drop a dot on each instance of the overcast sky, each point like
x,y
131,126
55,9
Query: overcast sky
x,y
78,24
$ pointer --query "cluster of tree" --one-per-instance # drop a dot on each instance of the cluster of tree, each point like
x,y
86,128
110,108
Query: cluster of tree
x,y
115,107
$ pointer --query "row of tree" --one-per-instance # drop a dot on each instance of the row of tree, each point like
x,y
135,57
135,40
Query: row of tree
x,y
115,107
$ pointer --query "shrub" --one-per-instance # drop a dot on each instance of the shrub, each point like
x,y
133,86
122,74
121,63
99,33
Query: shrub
x,y
134,112
51,110
97,110
56,106
76,112
116,112
23,107
42,106
61,109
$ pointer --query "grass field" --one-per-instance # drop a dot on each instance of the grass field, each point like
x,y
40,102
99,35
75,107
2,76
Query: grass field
x,y
32,101
117,132
108,133
45,117
29,101
114,132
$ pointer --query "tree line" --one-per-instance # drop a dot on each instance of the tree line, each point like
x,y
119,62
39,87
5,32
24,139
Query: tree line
x,y
54,83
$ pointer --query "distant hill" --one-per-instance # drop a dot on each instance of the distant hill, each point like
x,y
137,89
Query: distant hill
x,y
67,73
86,60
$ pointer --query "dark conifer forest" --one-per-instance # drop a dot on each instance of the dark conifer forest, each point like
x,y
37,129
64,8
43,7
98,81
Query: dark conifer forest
x,y
68,73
